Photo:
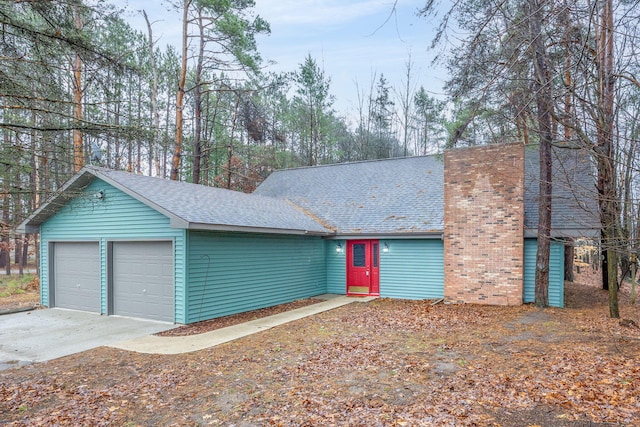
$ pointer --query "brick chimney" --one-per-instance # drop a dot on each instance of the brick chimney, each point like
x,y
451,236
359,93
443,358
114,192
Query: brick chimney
x,y
484,224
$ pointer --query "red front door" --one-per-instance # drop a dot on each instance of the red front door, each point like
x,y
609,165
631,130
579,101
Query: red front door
x,y
363,267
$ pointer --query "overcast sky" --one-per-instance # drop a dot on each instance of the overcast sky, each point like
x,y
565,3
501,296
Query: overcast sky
x,y
352,39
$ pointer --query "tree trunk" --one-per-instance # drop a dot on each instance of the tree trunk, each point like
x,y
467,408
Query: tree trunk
x,y
544,104
25,251
5,245
604,260
153,144
78,148
18,255
177,151
138,167
230,146
197,94
605,151
569,253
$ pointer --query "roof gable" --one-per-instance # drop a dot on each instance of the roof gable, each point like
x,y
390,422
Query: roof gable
x,y
189,205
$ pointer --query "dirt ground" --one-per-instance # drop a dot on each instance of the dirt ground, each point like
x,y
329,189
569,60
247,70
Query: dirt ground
x,y
387,363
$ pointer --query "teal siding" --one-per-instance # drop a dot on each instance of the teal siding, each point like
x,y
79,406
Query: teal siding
x,y
556,272
232,272
556,275
116,217
336,267
412,269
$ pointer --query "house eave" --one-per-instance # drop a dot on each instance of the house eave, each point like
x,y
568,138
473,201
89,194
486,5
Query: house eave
x,y
559,233
55,202
435,234
250,229
28,229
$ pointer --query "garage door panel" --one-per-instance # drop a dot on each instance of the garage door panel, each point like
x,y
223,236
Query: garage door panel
x,y
143,280
77,276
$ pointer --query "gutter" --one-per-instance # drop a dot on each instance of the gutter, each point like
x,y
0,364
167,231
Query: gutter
x,y
400,236
249,229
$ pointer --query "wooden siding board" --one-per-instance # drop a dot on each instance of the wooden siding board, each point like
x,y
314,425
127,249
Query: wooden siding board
x,y
230,273
412,269
117,217
556,272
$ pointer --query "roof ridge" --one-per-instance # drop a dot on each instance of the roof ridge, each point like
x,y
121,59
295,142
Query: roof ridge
x,y
356,162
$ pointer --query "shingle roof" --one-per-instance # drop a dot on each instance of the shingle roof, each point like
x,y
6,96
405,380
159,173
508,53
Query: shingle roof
x,y
392,196
404,195
574,206
193,206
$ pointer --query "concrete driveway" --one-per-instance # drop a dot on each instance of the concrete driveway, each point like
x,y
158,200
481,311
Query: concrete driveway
x,y
36,336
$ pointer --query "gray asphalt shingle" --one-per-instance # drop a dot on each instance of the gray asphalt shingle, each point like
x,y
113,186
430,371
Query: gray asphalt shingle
x,y
574,206
404,195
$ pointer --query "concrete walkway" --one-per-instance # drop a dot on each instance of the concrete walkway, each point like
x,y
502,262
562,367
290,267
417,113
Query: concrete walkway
x,y
175,345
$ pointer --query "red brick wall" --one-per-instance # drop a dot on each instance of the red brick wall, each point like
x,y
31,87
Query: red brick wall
x,y
483,224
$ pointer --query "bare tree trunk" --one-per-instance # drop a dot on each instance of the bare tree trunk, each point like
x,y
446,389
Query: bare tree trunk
x,y
116,144
626,225
197,138
130,167
568,81
165,142
25,254
177,152
569,253
406,108
544,104
18,255
230,146
206,146
605,152
5,243
78,148
153,144
25,250
138,167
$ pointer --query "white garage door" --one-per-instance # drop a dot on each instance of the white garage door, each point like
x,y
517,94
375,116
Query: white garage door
x,y
76,274
142,280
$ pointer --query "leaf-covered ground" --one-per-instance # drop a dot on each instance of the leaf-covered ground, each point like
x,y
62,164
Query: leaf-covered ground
x,y
18,293
387,362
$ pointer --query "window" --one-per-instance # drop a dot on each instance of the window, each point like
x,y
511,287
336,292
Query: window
x,y
375,255
359,258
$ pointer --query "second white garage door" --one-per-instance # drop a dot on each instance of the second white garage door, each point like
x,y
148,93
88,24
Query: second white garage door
x,y
142,280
